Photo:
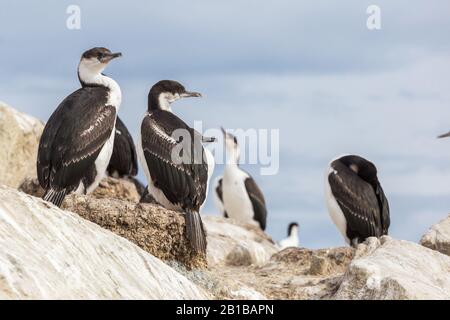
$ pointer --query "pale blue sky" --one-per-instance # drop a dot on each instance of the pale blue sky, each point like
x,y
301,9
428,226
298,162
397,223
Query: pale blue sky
x,y
312,70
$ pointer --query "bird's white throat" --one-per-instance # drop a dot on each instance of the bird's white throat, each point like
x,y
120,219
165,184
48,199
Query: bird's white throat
x,y
90,73
165,99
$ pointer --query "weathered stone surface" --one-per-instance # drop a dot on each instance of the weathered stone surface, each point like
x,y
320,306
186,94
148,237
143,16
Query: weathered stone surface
x,y
158,231
438,237
232,243
289,274
19,141
48,253
32,187
109,188
123,189
396,269
243,263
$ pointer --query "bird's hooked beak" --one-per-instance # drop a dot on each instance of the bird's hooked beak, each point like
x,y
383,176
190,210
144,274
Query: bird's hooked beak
x,y
110,56
445,135
188,94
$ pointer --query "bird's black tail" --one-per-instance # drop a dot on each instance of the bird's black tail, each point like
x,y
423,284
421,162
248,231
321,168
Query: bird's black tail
x,y
55,197
195,231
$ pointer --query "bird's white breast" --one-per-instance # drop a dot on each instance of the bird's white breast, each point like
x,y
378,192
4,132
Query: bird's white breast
x,y
334,210
104,157
291,241
211,164
236,201
155,192
102,161
115,94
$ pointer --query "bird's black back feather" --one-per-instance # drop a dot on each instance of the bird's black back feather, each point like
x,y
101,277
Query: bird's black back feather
x,y
219,194
123,159
360,198
182,183
258,201
73,137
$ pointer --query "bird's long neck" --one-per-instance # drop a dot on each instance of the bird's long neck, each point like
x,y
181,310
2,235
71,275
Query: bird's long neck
x,y
94,78
231,158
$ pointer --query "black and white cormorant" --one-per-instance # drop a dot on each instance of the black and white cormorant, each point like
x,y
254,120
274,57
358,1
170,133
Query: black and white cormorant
x,y
123,161
242,199
292,236
355,200
173,182
77,142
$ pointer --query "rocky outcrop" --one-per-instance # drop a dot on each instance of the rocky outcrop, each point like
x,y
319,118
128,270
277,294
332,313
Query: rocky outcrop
x,y
48,253
396,269
438,237
159,231
244,263
19,140
294,273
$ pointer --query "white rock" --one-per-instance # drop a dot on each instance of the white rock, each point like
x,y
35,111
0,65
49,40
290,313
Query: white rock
x,y
47,253
235,244
246,293
396,269
438,237
19,141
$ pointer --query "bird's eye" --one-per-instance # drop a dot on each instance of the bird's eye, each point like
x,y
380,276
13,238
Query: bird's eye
x,y
235,140
101,56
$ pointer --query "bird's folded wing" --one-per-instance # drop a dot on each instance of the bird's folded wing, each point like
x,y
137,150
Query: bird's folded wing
x,y
171,163
357,200
123,159
258,202
80,128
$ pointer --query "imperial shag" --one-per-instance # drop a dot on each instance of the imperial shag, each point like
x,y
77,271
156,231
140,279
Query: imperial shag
x,y
176,164
123,161
356,202
77,142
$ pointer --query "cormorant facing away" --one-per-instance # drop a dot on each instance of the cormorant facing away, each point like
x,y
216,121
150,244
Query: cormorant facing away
x,y
77,142
355,200
123,161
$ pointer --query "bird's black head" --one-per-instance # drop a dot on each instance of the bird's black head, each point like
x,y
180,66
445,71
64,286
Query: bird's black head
x,y
100,55
291,228
92,64
164,92
362,167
